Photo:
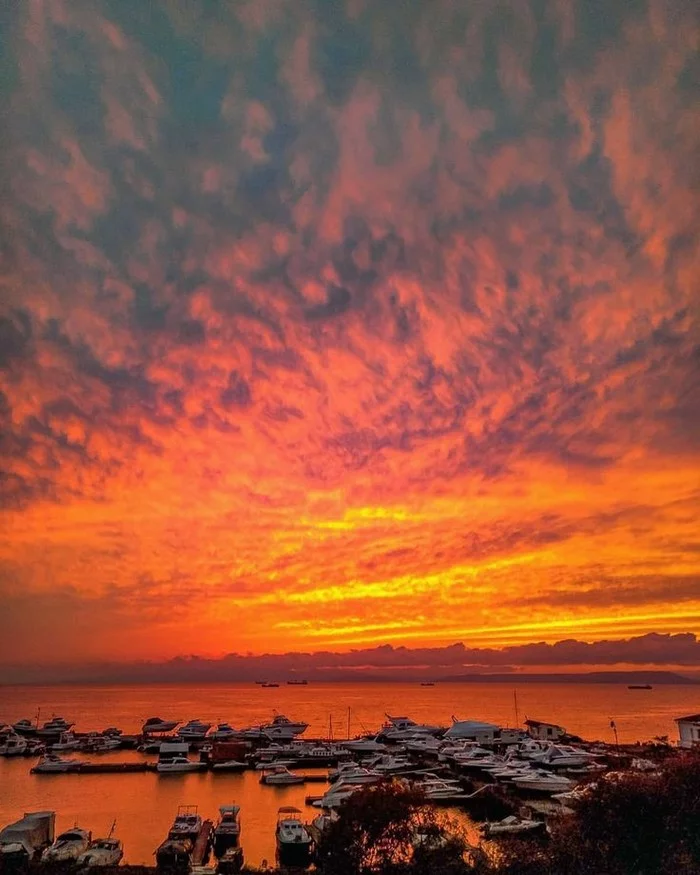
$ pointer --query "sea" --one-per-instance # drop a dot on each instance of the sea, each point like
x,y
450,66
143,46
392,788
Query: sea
x,y
144,804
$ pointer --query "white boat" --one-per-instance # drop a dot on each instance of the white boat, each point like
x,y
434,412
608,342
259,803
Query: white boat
x,y
100,743
194,730
355,775
280,776
293,840
336,795
423,744
68,846
13,745
223,732
512,825
227,832
403,728
156,724
281,728
54,726
230,766
441,791
66,741
390,764
543,782
52,763
364,745
187,823
177,765
102,852
266,765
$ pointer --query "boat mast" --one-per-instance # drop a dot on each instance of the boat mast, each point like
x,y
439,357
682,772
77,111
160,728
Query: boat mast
x,y
348,724
515,700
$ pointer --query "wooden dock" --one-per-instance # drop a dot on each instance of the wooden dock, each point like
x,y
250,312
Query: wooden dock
x,y
202,847
111,768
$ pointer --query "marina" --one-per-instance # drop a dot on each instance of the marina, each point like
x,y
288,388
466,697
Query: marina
x,y
457,764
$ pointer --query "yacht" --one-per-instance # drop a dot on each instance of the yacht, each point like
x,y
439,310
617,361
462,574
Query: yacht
x,y
280,776
424,744
294,842
390,764
99,743
54,726
25,727
230,862
354,775
565,756
401,728
13,745
102,852
441,791
66,741
512,825
336,795
68,846
364,745
223,732
543,782
227,832
52,763
187,823
178,764
283,727
156,724
230,766
194,730
269,685
175,856
298,683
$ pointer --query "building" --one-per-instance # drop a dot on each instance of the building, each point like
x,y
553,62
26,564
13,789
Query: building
x,y
544,731
688,730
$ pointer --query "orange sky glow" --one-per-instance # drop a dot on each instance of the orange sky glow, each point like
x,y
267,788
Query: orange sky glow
x,y
330,325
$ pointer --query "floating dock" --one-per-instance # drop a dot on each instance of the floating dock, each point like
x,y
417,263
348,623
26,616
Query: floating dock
x,y
111,768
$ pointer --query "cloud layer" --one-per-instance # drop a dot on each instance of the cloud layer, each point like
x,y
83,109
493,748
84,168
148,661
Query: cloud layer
x,y
332,323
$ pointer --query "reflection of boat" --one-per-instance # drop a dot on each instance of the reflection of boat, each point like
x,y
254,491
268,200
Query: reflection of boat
x,y
294,842
512,825
156,724
280,776
68,846
227,832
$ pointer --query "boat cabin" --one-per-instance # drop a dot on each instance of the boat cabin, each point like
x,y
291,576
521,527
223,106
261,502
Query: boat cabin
x,y
689,730
543,731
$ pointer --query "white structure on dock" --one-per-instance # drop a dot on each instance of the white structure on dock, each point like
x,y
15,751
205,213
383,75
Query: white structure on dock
x,y
689,730
543,731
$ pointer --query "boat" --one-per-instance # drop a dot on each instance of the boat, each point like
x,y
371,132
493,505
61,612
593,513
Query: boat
x,y
102,852
177,765
230,766
54,726
443,792
156,724
174,856
280,776
230,862
223,732
543,782
187,823
21,842
364,745
354,775
297,683
99,743
281,728
269,685
293,840
194,730
400,728
427,684
564,756
68,846
512,825
25,727
336,795
13,745
52,763
66,741
639,686
227,832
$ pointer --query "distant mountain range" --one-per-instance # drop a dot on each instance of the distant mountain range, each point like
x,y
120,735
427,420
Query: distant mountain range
x,y
591,677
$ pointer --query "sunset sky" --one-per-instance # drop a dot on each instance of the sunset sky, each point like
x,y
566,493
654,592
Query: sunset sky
x,y
327,324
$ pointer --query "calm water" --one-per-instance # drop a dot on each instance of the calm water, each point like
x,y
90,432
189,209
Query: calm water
x,y
145,804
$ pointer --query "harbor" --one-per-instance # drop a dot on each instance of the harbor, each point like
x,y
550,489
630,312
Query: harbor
x,y
501,779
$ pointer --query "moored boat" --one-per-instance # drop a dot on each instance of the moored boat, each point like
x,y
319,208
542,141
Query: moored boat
x,y
22,841
512,825
280,776
178,765
227,832
67,847
13,745
194,730
187,823
293,840
102,852
230,766
156,724
54,764
54,727
174,855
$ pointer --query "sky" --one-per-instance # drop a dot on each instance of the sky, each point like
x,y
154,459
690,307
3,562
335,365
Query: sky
x,y
334,324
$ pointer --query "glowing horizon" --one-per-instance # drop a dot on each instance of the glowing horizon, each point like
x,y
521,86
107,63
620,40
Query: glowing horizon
x,y
329,326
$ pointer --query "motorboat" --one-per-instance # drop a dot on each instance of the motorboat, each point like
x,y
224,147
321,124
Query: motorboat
x,y
283,727
543,782
266,765
99,743
512,825
565,757
227,832
156,724
475,730
52,763
293,840
194,730
230,766
54,726
322,821
175,856
69,845
66,741
102,852
423,744
270,685
25,727
13,745
442,791
223,732
280,776
336,795
230,862
354,775
297,683
364,745
187,823
178,764
22,841
402,728
390,764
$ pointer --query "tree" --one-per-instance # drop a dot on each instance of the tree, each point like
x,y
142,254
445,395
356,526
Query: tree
x,y
388,829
